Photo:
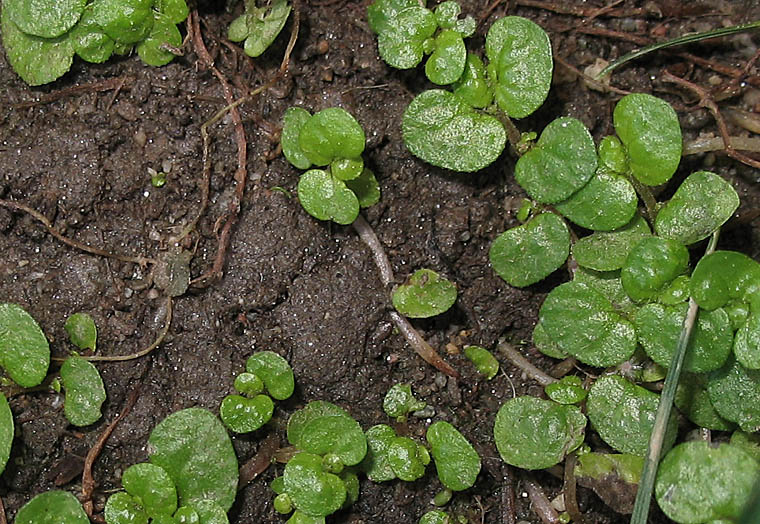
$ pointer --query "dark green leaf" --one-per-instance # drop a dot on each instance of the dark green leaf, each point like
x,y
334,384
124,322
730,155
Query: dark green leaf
x,y
375,463
44,18
292,123
164,33
84,391
607,250
126,21
725,275
608,201
447,62
651,265
567,390
176,10
747,342
336,434
209,512
274,371
749,442
456,461
122,508
52,507
607,283
735,393
424,295
693,401
24,350
301,418
330,134
248,384
243,415
407,458
545,344
435,516
347,168
366,188
314,492
82,331
6,432
326,198
151,487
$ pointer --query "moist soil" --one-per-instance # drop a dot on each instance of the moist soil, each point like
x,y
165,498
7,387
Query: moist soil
x,y
79,151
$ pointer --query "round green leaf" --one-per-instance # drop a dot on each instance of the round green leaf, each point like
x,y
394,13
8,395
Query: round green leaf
x,y
456,461
85,392
243,415
315,409
209,512
472,86
187,515
697,482
366,188
193,440
89,40
650,132
126,21
623,414
176,10
24,350
399,401
651,265
483,360
607,250
522,55
407,459
446,64
442,129
326,198
292,123
238,29
725,275
347,168
561,163
6,432
528,253
329,134
274,370
52,507
567,390
532,433
584,323
659,327
248,384
747,342
82,331
424,295
693,401
264,26
607,283
435,516
164,32
735,393
313,491
36,60
336,434
400,41
375,463
749,442
44,18
122,508
607,202
151,487
702,203
381,11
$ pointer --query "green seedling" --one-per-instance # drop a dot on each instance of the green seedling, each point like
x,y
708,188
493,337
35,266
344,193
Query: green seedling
x,y
52,507
82,331
407,458
24,350
568,390
334,140
399,402
425,294
693,400
456,461
259,26
41,38
483,360
84,389
436,516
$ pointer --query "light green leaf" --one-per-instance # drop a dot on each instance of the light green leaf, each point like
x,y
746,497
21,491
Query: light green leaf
x,y
24,350
456,461
528,253
347,168
84,391
151,487
193,440
447,62
400,40
702,203
89,40
164,32
614,477
366,188
735,393
748,442
6,431
399,401
607,283
483,360
176,10
522,55
651,265
274,371
532,433
261,27
562,162
126,21
243,415
330,134
315,409
442,129
326,198
298,517
122,508
209,512
584,323
292,123
52,507
651,134
567,390
725,275
82,331
381,11
425,294
336,434
436,516
44,18
608,201
314,492
607,250
545,344
248,384
407,458
472,86
693,401
375,463
612,156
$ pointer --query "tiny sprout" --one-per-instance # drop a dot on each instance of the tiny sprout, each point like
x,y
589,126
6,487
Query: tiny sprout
x,y
443,497
248,384
332,463
283,504
399,401
157,179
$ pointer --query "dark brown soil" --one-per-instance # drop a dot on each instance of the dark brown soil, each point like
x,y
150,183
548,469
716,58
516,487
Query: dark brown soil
x,y
305,289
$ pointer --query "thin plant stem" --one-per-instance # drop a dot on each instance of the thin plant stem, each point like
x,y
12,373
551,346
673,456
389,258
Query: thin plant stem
x,y
522,363
652,459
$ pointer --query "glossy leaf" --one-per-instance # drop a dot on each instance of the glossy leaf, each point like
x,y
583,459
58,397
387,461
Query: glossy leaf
x,y
676,292
85,392
735,393
248,384
407,458
6,432
612,156
693,401
163,33
725,275
526,254
532,433
89,41
483,360
151,487
126,21
585,324
748,442
456,461
700,483
623,414
651,265
315,409
243,415
176,10
608,201
123,508
399,401
24,350
567,390
425,294
375,463
435,516
314,492
274,371
330,134
442,129
747,342
545,344
607,250
366,188
400,40
702,203
347,168
521,55
472,86
292,122
562,162
193,440
326,198
44,18
651,134
447,62
607,283
209,512
659,327
52,507
381,11
336,434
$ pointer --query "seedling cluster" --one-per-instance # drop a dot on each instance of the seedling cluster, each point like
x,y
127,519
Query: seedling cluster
x,y
257,27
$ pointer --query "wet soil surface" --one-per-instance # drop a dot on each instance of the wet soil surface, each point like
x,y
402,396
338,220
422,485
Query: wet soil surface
x,y
291,284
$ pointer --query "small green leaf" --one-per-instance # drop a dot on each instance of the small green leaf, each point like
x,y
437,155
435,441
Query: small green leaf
x,y
607,283
6,431
187,515
84,391
442,129
163,33
568,390
424,295
659,327
676,292
702,203
248,384
435,516
330,134
336,434
612,155
375,463
735,393
528,253
52,507
243,415
407,458
697,482
24,350
532,433
607,250
260,27
725,275
292,123
301,418
446,14
693,401
399,401
366,188
562,161
314,492
326,198
176,10
584,323
122,508
456,461
608,201
381,11
472,86
651,265
44,18
400,40
522,55
651,134
748,442
151,487
89,40
483,360
274,371
347,168
623,414
193,440
209,512
447,62
126,21
82,331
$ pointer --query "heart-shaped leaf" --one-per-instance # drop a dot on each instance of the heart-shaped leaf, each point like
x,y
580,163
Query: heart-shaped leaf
x,y
243,415
89,40
608,201
399,401
326,198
